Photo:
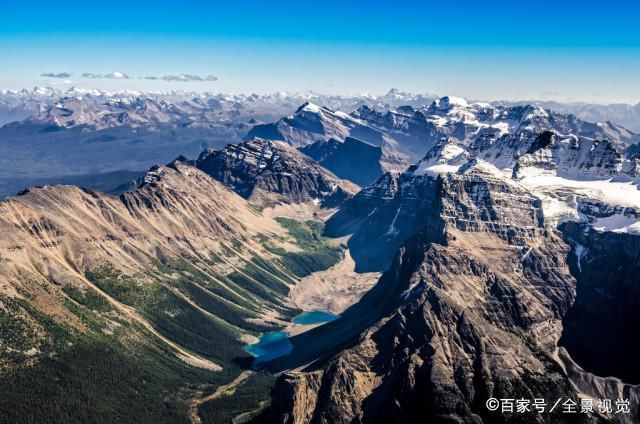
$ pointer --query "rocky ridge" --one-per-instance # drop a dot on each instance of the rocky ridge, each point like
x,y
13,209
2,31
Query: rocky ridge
x,y
267,172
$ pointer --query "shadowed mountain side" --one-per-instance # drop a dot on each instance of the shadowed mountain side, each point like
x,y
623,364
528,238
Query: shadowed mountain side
x,y
606,265
321,343
353,160
382,216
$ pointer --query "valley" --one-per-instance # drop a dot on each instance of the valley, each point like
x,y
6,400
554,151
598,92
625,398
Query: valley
x,y
93,272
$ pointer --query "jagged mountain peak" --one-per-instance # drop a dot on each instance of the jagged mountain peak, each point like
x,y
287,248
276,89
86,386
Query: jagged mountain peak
x,y
268,171
393,92
561,170
469,242
312,107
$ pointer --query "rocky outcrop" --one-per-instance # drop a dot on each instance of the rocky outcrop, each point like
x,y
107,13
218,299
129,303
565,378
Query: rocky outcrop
x,y
268,172
575,156
383,215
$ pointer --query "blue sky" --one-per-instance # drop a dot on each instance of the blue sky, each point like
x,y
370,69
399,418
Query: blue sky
x,y
561,50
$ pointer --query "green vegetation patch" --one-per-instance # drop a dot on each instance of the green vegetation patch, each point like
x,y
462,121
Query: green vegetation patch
x,y
88,298
15,331
22,327
123,288
224,310
191,273
317,252
183,323
249,398
97,382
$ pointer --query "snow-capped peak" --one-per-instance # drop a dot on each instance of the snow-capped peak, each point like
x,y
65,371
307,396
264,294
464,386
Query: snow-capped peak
x,y
449,102
309,107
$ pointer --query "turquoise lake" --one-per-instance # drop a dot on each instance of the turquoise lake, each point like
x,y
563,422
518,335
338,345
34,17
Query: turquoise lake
x,y
276,343
314,317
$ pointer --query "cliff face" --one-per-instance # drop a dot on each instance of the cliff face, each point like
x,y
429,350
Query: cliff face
x,y
381,216
606,265
470,309
350,159
268,172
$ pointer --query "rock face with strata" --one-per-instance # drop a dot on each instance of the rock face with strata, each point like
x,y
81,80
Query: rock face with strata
x,y
268,172
471,308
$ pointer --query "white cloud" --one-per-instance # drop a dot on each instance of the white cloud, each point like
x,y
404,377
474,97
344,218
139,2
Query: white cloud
x,y
168,77
184,78
111,75
55,74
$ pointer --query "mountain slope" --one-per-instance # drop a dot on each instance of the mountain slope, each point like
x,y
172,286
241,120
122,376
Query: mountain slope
x,y
117,307
268,172
353,160
311,123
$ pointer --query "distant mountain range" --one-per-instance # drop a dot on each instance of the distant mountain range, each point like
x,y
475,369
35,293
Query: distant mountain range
x,y
80,134
627,115
18,105
102,109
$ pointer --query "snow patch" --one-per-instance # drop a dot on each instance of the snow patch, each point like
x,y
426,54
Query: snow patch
x,y
526,255
580,252
393,231
407,292
311,107
617,223
560,195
